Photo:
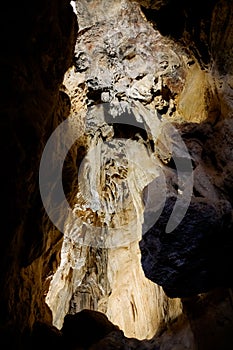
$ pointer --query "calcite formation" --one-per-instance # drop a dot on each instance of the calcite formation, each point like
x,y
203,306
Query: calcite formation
x,y
148,91
146,111
120,87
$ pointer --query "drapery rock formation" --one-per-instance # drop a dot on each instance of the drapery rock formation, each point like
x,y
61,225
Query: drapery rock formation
x,y
136,77
100,256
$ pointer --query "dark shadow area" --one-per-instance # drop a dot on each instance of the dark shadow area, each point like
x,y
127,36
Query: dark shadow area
x,y
188,22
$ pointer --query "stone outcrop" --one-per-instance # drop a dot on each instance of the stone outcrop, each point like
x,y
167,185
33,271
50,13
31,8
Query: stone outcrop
x,y
132,83
191,255
96,332
114,92
37,43
149,92
210,212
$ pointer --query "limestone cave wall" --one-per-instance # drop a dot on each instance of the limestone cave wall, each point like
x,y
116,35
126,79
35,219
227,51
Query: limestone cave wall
x,y
37,43
146,88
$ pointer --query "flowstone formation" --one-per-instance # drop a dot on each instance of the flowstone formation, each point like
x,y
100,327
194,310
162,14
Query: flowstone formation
x,y
142,106
124,88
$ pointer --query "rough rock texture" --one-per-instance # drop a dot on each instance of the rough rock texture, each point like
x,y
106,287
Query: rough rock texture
x,y
172,63
96,332
209,216
37,45
190,259
114,92
130,82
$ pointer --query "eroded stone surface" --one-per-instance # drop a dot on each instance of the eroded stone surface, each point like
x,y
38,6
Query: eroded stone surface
x,y
128,81
31,105
208,218
37,45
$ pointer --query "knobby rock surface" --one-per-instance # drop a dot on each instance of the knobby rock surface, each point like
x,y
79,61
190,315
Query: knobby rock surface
x,y
148,86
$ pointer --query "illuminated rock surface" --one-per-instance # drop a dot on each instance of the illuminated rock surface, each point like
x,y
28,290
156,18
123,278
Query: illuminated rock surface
x,y
133,76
